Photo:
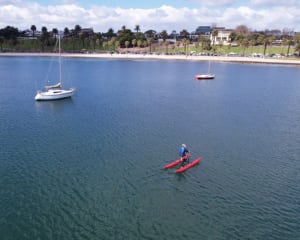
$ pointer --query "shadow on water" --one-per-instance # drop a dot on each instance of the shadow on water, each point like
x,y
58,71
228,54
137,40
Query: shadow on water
x,y
54,106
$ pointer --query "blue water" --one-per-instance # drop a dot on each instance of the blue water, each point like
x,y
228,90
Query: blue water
x,y
91,167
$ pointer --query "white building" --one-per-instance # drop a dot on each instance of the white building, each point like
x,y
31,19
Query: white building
x,y
223,36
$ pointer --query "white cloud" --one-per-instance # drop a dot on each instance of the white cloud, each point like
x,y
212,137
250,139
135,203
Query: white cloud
x,y
216,3
274,3
24,14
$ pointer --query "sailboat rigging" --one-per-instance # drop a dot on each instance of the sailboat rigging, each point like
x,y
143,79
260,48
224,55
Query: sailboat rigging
x,y
55,92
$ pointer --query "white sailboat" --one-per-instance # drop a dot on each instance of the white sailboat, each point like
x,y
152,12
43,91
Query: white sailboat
x,y
55,92
205,76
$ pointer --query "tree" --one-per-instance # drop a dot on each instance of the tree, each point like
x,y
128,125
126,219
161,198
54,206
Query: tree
x,y
140,36
267,41
139,43
202,40
84,36
109,34
214,35
288,42
125,35
44,38
104,44
10,33
244,43
232,37
55,32
137,28
127,44
150,41
33,29
117,44
95,39
133,42
167,45
242,30
66,31
1,42
77,30
185,42
164,35
184,33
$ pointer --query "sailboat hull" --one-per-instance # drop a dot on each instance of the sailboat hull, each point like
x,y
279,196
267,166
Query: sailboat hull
x,y
54,94
204,76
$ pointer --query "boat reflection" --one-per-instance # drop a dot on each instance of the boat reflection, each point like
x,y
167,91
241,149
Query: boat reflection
x,y
54,106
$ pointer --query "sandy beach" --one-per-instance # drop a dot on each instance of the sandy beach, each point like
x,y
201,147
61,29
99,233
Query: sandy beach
x,y
162,57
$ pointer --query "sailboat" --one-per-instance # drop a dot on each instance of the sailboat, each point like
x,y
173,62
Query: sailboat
x,y
205,76
55,92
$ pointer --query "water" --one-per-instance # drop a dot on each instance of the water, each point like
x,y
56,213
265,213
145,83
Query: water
x,y
91,167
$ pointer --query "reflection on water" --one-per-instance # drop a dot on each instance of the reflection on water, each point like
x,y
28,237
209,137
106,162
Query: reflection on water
x,y
54,106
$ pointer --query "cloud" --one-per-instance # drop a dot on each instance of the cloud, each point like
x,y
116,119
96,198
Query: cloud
x,y
218,3
274,3
24,14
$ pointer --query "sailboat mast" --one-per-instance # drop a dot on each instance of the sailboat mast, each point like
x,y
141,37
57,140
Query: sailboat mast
x,y
59,60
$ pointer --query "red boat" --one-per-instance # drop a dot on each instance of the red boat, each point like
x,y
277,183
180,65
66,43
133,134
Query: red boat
x,y
189,165
176,162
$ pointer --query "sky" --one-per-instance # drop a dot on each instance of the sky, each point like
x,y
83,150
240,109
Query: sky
x,y
158,15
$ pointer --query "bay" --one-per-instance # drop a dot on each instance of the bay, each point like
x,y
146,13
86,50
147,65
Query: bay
x,y
91,167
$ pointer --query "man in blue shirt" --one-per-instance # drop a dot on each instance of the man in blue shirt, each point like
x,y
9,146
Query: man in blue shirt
x,y
183,151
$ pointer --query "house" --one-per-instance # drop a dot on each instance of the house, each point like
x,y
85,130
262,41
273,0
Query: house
x,y
223,36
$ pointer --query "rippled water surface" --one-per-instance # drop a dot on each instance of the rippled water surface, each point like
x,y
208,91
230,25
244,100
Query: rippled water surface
x,y
91,167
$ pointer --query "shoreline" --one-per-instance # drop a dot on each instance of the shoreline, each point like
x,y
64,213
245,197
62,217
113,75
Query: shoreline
x,y
131,56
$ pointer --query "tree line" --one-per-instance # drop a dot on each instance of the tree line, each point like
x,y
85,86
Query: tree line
x,y
80,39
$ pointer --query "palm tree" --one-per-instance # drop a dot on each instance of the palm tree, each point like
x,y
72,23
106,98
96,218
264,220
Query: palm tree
x,y
184,43
33,29
66,31
127,44
139,43
137,28
164,35
150,41
94,40
184,33
77,30
110,33
252,43
266,42
202,39
117,44
44,37
84,36
55,32
214,34
178,44
244,44
167,45
287,42
133,42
